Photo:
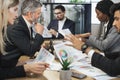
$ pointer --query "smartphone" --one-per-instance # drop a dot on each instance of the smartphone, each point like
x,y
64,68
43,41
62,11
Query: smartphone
x,y
78,75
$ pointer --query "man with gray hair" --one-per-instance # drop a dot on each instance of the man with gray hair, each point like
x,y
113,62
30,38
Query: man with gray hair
x,y
21,40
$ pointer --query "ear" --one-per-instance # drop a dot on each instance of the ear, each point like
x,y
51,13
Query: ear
x,y
29,14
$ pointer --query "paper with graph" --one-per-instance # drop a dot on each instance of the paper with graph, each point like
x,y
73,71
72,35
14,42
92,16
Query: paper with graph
x,y
44,56
63,51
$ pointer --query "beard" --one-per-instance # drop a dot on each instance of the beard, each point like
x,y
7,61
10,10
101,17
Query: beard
x,y
34,20
60,18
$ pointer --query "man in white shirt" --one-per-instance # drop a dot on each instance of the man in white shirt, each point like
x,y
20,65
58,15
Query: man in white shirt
x,y
61,22
110,65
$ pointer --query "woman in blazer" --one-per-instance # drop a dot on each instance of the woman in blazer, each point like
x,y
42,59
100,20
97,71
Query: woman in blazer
x,y
8,14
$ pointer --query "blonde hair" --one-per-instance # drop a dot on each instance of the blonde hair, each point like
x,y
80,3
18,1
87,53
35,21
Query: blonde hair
x,y
4,7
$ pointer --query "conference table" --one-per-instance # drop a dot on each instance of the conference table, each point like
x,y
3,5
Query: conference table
x,y
48,74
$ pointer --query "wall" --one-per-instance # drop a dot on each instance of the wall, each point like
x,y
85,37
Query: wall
x,y
116,1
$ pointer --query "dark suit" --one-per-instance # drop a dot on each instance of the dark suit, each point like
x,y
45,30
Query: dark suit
x,y
11,72
20,43
109,64
68,24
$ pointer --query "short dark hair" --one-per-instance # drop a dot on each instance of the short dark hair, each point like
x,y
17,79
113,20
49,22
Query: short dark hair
x,y
114,8
104,6
60,7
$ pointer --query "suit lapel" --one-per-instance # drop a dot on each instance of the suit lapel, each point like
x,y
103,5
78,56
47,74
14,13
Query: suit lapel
x,y
24,25
65,24
56,25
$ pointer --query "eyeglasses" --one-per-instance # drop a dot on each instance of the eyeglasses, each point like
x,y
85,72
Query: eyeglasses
x,y
58,13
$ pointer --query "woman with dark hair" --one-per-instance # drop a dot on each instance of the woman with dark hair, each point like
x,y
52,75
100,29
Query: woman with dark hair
x,y
109,65
109,36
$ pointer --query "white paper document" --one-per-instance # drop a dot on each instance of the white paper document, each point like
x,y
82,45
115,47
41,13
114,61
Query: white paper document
x,y
55,66
63,51
65,32
85,67
44,56
46,33
80,62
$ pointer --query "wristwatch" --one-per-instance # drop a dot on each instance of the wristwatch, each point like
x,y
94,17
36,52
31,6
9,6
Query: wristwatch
x,y
84,47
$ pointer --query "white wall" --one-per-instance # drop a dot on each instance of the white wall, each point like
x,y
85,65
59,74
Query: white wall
x,y
115,1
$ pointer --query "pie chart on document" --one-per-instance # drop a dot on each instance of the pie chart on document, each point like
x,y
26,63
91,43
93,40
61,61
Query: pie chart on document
x,y
63,54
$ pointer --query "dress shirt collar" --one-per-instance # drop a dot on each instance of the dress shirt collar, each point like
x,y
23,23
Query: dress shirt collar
x,y
106,23
28,23
61,23
63,20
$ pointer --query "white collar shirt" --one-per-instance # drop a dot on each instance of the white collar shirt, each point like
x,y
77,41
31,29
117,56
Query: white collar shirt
x,y
61,24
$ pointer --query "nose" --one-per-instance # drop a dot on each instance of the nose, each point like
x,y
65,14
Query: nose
x,y
114,23
16,15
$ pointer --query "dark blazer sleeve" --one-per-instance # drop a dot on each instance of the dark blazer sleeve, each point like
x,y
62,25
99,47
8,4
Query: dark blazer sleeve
x,y
12,72
24,43
110,66
20,39
72,27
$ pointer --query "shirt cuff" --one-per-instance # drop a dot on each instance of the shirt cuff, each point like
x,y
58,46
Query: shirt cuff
x,y
102,54
90,54
56,35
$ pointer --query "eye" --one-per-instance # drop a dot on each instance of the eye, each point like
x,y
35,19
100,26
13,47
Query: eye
x,y
16,9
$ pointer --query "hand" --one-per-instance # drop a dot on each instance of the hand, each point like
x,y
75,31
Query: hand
x,y
76,42
53,32
83,35
36,68
39,28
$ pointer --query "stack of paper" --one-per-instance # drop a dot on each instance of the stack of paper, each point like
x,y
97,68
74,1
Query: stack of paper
x,y
80,61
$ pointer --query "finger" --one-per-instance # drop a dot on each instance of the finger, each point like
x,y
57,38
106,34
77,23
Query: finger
x,y
69,37
47,65
50,31
38,72
42,63
77,36
69,45
66,38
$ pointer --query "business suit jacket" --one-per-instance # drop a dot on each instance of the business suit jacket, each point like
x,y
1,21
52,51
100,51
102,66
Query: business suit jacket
x,y
109,45
68,24
20,43
110,65
11,72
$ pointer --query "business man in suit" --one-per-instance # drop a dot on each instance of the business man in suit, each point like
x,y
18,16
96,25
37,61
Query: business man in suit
x,y
109,64
20,39
61,22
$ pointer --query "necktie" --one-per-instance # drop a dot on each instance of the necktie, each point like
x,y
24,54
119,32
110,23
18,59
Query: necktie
x,y
31,32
